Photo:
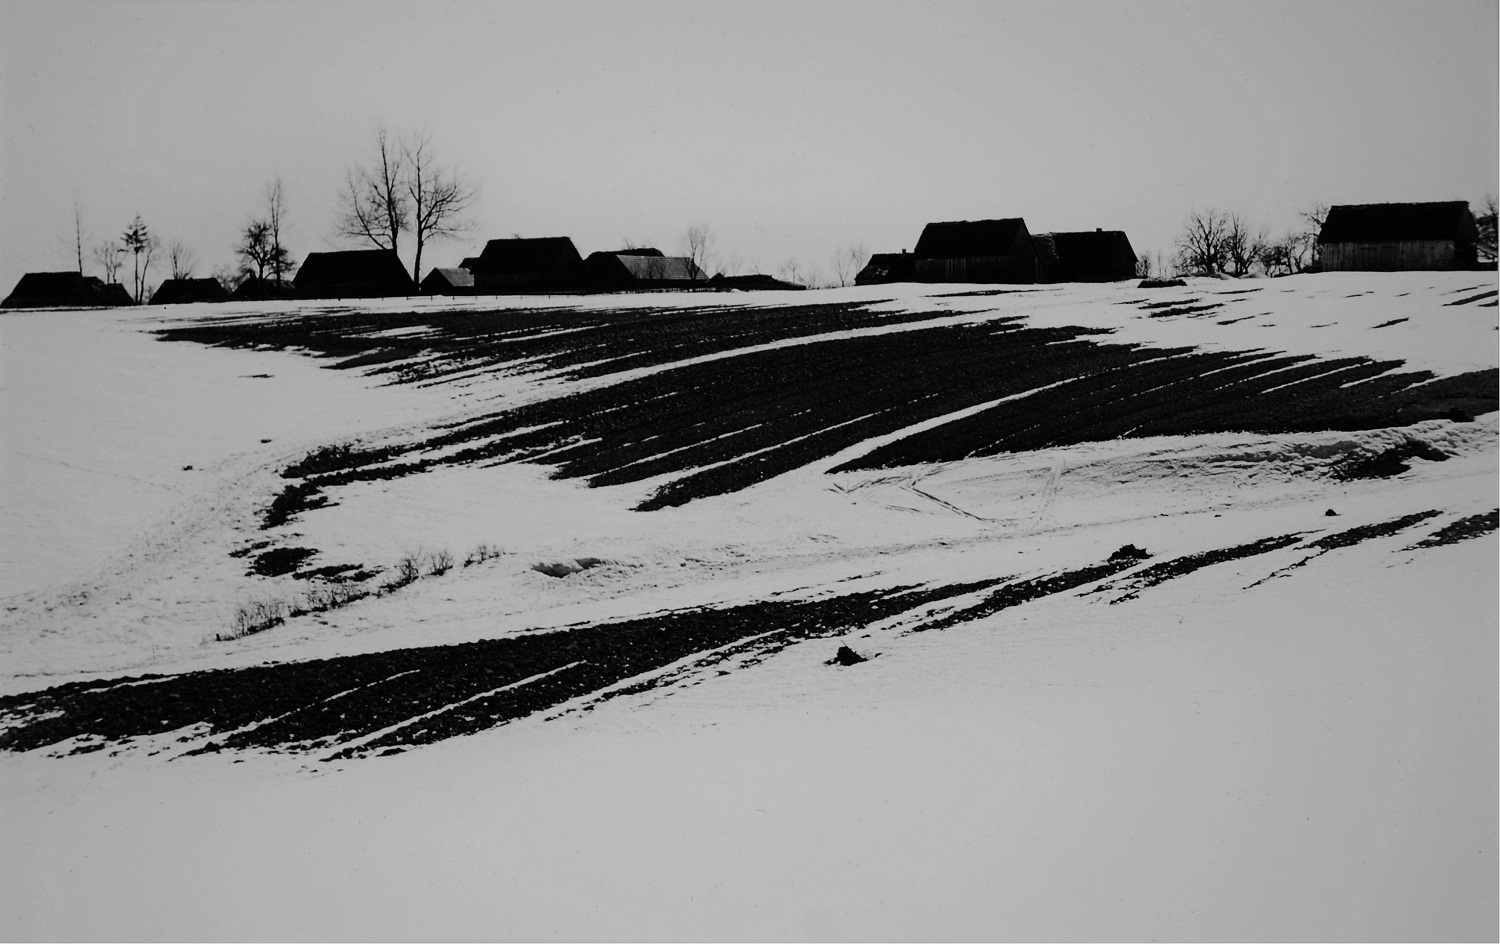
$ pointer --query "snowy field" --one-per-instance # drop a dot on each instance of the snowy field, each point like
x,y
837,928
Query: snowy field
x,y
1126,676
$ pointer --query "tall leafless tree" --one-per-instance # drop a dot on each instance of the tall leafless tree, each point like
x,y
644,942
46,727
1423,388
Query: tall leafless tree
x,y
1201,244
109,256
439,197
1313,219
78,234
696,244
375,206
1143,266
181,259
1243,245
139,241
280,262
847,262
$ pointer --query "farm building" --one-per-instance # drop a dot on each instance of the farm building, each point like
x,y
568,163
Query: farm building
x,y
642,269
1100,256
448,282
1392,237
976,251
261,290
186,291
361,273
546,264
752,283
65,290
888,267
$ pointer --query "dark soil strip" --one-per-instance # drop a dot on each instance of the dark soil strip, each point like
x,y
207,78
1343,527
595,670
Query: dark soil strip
x,y
1388,462
1387,324
322,704
1474,298
1464,529
1024,591
1364,533
1181,566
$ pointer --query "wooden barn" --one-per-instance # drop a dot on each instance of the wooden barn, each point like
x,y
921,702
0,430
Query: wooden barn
x,y
65,290
1393,237
886,267
458,281
1100,256
361,273
546,264
976,251
187,291
644,270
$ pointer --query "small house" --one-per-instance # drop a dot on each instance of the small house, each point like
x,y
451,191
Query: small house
x,y
976,251
886,267
515,266
643,270
65,290
1392,237
187,291
1099,256
756,282
458,281
360,273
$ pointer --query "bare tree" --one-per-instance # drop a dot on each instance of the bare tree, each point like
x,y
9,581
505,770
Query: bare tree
x,y
255,250
847,262
790,271
229,276
439,198
182,259
1313,218
1201,244
109,256
374,204
78,234
696,244
139,241
280,262
1243,246
1286,256
1143,266
1485,223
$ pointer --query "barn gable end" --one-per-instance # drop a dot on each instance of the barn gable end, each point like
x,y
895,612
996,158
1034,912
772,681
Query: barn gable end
x,y
976,251
545,264
361,273
1392,237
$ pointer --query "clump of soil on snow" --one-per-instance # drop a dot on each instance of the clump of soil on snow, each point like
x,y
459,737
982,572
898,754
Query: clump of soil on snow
x,y
1388,462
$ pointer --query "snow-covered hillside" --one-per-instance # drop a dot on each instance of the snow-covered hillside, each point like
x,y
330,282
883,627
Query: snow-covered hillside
x,y
1178,609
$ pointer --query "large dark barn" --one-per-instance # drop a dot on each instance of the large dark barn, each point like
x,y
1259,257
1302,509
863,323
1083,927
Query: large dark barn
x,y
1098,256
545,264
65,290
187,291
1392,237
361,273
976,251
644,269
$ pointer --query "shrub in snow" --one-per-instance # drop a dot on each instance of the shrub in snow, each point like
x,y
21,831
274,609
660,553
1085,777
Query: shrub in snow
x,y
846,656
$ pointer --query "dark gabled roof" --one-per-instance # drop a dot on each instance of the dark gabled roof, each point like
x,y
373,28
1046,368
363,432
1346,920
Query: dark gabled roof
x,y
455,278
1096,242
519,255
1090,256
469,263
962,238
1397,222
186,291
661,268
642,251
888,267
752,283
360,273
64,290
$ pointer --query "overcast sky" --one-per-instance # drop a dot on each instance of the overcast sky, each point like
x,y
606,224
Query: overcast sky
x,y
788,128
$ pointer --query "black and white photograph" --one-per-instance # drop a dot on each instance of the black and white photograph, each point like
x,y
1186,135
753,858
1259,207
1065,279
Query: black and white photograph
x,y
670,470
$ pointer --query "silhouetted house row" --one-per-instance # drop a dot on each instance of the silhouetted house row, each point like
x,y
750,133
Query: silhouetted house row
x,y
515,266
361,273
65,290
187,291
1390,237
1100,256
458,281
641,269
